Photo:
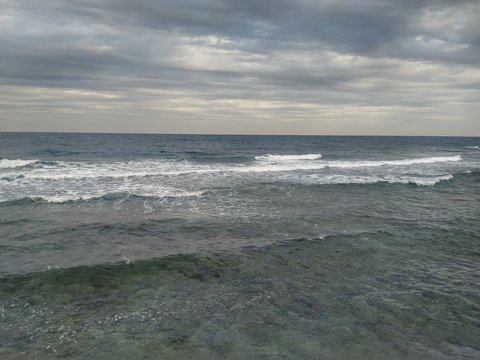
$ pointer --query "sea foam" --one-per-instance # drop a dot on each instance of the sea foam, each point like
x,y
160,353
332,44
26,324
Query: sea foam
x,y
403,162
73,197
269,157
373,179
166,168
11,164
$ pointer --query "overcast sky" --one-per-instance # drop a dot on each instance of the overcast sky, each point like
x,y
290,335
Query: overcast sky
x,y
409,67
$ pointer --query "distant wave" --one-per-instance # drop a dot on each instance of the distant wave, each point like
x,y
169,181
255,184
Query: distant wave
x,y
404,162
152,168
473,147
313,179
11,164
317,165
60,152
59,199
352,179
269,157
92,174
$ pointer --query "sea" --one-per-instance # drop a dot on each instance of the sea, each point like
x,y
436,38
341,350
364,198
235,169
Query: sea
x,y
130,246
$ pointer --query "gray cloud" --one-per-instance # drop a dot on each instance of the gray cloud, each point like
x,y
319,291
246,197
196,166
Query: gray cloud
x,y
240,66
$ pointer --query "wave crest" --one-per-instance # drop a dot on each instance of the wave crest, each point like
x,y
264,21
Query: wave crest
x,y
60,199
16,163
270,157
359,179
403,162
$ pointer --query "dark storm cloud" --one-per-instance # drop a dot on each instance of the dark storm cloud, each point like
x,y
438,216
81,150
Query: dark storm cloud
x,y
349,26
369,28
369,53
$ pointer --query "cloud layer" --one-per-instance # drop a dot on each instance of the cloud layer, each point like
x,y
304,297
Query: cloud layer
x,y
218,66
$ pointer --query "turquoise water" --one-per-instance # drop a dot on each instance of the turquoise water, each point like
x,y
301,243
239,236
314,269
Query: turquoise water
x,y
239,247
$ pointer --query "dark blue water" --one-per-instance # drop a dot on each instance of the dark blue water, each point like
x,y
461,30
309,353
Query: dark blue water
x,y
179,246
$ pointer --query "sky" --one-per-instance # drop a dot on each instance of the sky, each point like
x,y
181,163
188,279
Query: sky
x,y
326,67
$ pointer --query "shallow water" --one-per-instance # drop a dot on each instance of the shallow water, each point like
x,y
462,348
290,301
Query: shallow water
x,y
374,295
257,250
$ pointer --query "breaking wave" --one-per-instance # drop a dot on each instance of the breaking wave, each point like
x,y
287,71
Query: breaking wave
x,y
352,179
11,164
152,168
60,181
404,162
276,158
59,199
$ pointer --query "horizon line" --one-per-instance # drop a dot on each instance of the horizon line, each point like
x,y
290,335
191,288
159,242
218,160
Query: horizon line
x,y
227,134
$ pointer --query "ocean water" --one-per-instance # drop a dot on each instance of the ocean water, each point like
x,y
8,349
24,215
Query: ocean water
x,y
239,247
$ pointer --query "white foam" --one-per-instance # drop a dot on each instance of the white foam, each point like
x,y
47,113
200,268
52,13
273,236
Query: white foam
x,y
359,179
317,165
63,198
61,181
136,169
276,158
472,147
431,181
89,175
85,197
11,164
404,162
